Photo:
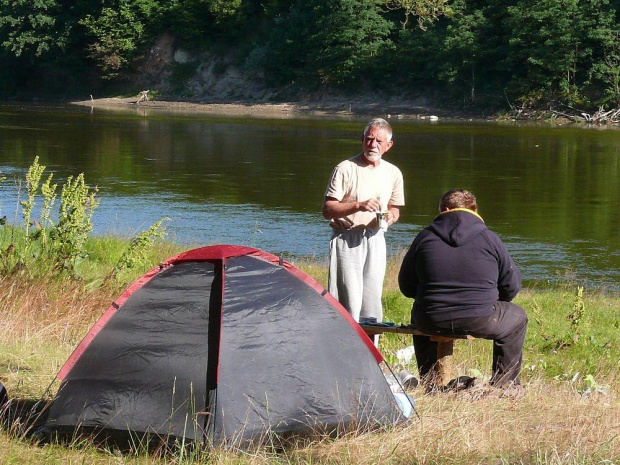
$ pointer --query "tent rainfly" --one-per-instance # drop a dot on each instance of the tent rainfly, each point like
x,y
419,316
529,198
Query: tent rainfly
x,y
225,345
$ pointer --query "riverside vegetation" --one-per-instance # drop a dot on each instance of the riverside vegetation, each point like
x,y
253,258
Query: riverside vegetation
x,y
56,280
486,55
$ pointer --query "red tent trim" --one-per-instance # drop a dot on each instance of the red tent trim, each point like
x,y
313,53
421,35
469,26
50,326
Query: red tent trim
x,y
214,252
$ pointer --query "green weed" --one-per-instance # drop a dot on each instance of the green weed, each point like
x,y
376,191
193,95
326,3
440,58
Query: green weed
x,y
33,177
77,205
136,253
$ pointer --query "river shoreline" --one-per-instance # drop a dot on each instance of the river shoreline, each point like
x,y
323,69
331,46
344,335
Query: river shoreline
x,y
362,108
337,109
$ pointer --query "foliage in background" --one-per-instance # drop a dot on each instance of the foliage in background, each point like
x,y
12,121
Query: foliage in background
x,y
486,53
117,32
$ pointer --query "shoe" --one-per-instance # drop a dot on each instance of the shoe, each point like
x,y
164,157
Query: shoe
x,y
463,382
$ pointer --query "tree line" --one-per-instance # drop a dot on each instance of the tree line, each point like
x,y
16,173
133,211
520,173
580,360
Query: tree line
x,y
487,53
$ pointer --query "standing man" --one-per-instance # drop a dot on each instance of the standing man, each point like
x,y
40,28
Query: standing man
x,y
358,188
463,280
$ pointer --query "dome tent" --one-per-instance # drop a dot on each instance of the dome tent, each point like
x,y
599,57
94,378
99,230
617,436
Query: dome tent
x,y
224,345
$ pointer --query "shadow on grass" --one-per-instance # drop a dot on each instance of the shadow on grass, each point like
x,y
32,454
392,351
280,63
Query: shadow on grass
x,y
22,417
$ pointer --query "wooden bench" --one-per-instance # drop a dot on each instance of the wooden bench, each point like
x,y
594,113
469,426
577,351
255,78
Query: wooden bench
x,y
445,347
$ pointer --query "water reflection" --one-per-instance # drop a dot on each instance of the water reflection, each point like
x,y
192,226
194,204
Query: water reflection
x,y
550,193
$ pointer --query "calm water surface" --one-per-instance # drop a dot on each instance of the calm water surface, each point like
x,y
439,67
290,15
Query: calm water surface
x,y
551,193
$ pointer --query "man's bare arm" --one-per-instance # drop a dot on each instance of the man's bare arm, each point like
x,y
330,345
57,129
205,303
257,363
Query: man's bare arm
x,y
334,208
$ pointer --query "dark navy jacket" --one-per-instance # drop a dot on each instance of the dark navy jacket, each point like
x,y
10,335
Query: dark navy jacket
x,y
457,268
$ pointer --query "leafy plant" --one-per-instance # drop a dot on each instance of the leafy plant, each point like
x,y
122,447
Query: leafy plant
x,y
48,190
576,318
59,248
33,177
77,205
136,254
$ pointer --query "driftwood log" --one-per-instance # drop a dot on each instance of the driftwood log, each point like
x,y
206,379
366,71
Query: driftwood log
x,y
144,95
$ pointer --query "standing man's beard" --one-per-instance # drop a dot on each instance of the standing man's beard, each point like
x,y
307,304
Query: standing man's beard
x,y
372,157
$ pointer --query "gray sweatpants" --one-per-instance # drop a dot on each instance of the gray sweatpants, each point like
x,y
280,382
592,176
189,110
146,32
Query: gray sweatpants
x,y
357,260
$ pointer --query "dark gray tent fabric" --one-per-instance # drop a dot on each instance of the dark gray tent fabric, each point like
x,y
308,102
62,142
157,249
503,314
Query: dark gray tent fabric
x,y
296,370
226,351
146,371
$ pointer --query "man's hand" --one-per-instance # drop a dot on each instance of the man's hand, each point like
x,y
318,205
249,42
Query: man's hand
x,y
342,223
393,215
370,205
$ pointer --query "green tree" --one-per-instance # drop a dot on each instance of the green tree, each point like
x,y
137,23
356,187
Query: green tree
x,y
547,47
350,37
462,51
42,46
454,55
425,12
334,43
31,27
605,62
118,31
284,55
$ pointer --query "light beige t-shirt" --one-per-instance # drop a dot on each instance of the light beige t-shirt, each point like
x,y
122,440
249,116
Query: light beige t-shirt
x,y
354,181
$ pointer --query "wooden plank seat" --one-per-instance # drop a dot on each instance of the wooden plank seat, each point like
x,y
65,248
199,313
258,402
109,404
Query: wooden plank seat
x,y
445,347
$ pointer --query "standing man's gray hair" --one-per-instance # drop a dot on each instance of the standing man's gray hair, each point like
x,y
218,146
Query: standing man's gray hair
x,y
379,123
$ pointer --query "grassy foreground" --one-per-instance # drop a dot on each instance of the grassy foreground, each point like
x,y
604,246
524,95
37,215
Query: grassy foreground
x,y
569,415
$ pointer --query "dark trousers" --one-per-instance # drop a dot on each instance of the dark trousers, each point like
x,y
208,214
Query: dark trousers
x,y
506,327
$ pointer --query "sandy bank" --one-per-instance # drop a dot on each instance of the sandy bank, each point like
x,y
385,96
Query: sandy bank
x,y
396,110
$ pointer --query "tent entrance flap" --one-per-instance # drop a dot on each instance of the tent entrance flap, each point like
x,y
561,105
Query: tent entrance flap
x,y
213,342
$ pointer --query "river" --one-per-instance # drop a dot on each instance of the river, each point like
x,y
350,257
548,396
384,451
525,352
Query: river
x,y
550,192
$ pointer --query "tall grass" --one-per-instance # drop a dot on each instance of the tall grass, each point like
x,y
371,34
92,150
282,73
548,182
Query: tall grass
x,y
569,415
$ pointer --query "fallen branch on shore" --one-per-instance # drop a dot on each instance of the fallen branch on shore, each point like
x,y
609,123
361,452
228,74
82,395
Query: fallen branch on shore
x,y
599,117
569,113
144,95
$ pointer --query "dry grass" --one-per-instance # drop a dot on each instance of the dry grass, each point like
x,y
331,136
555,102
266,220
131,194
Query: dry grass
x,y
41,323
551,424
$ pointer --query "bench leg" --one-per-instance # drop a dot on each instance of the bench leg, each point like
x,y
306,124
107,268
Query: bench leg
x,y
441,373
445,349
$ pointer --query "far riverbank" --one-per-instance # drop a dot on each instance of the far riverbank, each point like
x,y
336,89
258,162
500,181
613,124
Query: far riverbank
x,y
363,107
338,108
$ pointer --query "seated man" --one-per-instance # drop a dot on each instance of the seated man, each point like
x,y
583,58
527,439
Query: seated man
x,y
463,279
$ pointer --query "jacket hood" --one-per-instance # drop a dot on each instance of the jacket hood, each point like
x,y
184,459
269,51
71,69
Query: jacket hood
x,y
457,227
